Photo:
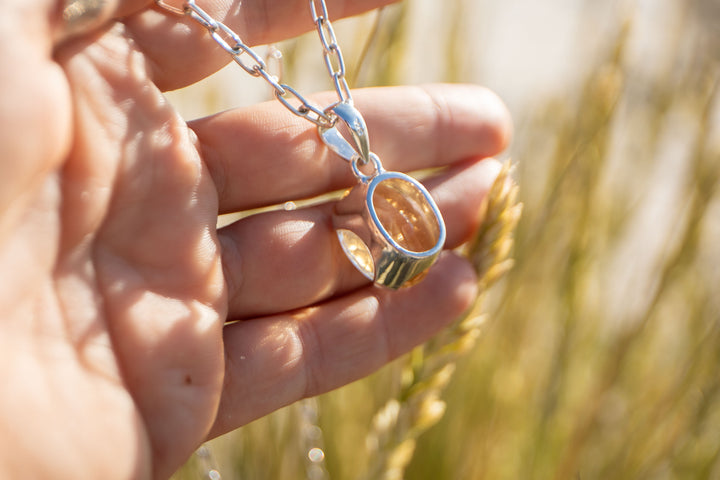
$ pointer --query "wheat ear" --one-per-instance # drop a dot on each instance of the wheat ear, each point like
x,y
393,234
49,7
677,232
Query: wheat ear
x,y
397,425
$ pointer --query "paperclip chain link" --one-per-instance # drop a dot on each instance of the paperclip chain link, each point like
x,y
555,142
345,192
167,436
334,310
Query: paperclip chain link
x,y
331,50
254,64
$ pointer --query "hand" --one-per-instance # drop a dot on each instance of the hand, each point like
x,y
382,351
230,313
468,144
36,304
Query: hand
x,y
115,284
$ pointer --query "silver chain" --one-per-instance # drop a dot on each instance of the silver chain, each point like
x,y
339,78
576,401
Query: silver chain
x,y
254,64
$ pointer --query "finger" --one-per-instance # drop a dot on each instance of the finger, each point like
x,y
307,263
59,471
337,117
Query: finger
x,y
264,155
274,361
285,260
182,52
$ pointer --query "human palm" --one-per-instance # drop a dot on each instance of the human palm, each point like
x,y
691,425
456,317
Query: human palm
x,y
116,287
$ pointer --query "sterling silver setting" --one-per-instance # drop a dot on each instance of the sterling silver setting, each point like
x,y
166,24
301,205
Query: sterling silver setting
x,y
395,246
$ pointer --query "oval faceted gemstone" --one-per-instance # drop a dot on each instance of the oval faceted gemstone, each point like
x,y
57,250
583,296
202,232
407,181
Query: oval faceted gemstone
x,y
406,215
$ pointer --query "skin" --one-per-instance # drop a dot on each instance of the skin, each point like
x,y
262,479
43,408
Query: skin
x,y
116,287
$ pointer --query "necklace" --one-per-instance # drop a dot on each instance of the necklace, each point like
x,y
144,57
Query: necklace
x,y
388,224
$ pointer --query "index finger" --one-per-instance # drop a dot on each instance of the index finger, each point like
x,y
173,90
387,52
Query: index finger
x,y
182,52
262,155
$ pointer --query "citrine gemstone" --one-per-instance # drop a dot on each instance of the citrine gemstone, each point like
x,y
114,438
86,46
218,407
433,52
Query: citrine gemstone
x,y
406,214
390,229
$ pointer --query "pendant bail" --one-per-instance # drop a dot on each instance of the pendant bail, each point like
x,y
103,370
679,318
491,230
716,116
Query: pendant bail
x,y
355,123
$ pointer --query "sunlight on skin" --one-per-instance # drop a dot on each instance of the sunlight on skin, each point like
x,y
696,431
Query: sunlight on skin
x,y
114,290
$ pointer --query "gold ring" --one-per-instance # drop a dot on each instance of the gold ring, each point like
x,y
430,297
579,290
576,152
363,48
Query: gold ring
x,y
80,16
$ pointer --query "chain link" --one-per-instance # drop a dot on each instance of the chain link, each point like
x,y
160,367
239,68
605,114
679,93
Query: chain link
x,y
254,64
331,50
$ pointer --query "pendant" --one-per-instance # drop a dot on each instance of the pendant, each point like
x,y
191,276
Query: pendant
x,y
388,225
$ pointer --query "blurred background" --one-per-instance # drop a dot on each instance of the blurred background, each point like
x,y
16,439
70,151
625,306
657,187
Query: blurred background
x,y
598,355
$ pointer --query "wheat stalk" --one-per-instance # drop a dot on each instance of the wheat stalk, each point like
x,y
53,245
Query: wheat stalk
x,y
397,425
